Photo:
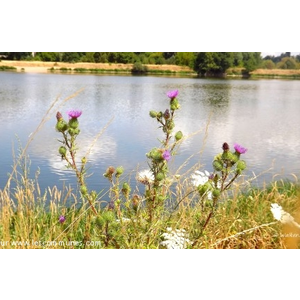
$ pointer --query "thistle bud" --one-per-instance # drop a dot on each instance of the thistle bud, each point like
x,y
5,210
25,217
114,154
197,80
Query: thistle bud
x,y
83,190
159,176
178,136
59,116
61,125
126,189
156,154
167,114
159,115
135,202
218,166
225,147
62,151
241,165
109,172
174,104
216,193
119,171
71,131
73,123
153,114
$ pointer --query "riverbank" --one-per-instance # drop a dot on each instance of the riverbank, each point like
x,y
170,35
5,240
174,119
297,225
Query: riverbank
x,y
61,67
46,67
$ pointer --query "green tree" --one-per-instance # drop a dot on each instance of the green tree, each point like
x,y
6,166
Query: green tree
x,y
185,59
17,55
47,56
101,57
72,57
213,63
251,61
268,64
88,57
287,63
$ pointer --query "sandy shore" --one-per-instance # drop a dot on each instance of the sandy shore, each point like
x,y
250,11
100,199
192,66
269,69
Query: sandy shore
x,y
43,67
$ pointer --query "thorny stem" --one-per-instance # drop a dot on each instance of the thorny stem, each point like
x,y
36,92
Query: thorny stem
x,y
79,174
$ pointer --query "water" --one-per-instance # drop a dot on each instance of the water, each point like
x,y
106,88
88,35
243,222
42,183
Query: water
x,y
261,115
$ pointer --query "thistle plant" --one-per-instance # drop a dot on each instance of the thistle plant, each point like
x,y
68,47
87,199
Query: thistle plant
x,y
70,130
159,157
227,167
116,192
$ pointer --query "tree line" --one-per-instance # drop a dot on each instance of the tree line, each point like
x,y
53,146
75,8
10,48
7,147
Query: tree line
x,y
204,63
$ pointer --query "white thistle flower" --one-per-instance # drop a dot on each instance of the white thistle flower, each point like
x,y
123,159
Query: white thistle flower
x,y
280,215
175,239
145,177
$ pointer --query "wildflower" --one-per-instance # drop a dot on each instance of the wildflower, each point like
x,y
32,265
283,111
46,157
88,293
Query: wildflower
x,y
280,215
62,219
74,114
172,94
175,239
240,149
166,155
145,177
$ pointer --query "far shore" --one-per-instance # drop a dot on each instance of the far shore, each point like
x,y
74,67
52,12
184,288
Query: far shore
x,y
46,67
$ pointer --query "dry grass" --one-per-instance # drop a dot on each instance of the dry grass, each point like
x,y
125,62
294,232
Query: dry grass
x,y
38,66
275,72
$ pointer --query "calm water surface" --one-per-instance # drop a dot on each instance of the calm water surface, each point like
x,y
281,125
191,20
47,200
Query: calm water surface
x,y
261,115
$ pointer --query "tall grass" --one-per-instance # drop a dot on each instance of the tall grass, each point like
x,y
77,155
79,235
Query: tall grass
x,y
29,217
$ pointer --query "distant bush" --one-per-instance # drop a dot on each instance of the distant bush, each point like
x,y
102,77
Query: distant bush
x,y
6,68
139,68
268,64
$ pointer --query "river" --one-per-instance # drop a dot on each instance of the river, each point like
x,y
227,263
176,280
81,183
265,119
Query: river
x,y
261,115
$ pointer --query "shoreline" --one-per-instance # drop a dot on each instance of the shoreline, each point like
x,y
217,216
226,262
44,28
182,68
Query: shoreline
x,y
45,67
110,68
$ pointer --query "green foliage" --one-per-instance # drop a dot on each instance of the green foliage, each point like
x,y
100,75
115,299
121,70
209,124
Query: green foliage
x,y
48,56
7,68
16,55
185,59
213,63
251,61
268,64
139,68
72,57
287,63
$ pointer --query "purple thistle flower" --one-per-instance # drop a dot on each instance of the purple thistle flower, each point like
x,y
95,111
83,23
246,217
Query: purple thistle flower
x,y
172,94
240,149
166,155
62,219
74,114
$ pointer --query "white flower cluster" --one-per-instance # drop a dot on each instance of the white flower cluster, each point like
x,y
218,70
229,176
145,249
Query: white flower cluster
x,y
280,215
145,177
175,239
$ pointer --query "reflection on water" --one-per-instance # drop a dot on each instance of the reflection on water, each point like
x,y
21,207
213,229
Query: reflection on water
x,y
262,115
